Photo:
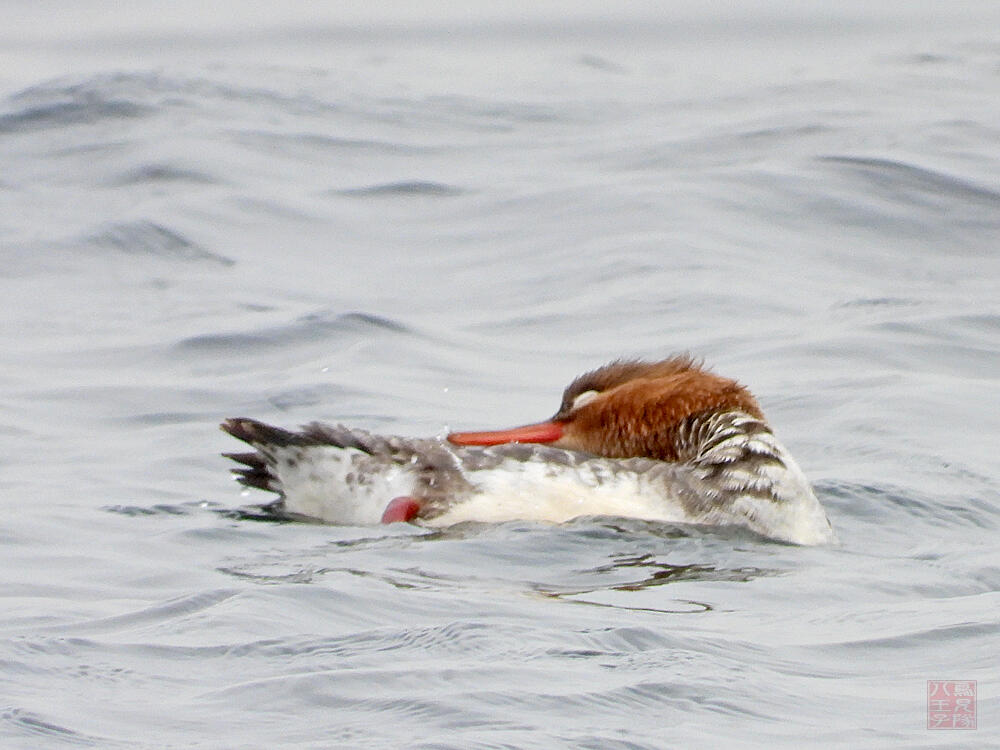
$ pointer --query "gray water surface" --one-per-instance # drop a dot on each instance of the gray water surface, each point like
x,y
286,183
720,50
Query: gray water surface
x,y
420,221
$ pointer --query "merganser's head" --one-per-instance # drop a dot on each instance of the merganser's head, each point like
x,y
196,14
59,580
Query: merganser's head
x,y
630,408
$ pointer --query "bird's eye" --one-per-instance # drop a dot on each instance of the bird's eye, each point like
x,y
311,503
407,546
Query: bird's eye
x,y
583,399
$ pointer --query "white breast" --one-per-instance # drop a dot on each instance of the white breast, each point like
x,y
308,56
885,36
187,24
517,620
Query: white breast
x,y
535,490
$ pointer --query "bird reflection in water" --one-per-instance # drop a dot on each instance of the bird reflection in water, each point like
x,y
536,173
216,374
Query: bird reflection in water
x,y
654,574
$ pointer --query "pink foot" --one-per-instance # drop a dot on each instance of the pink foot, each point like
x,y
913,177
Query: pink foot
x,y
401,508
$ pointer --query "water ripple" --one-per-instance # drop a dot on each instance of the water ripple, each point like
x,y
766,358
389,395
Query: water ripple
x,y
913,183
325,326
163,173
149,238
154,614
82,108
25,722
414,188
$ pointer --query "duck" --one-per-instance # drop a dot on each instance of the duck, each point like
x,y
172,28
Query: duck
x,y
663,441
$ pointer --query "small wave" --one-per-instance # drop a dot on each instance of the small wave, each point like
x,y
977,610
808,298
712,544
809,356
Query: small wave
x,y
140,93
312,327
927,58
360,321
496,115
155,614
600,63
718,149
313,394
164,509
915,639
45,730
149,238
908,180
415,188
867,302
74,112
897,508
160,173
307,144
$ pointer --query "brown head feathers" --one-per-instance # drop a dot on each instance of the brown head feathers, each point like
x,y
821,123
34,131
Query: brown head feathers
x,y
634,408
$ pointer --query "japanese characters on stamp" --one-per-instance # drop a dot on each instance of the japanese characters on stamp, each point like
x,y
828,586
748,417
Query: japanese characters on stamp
x,y
951,704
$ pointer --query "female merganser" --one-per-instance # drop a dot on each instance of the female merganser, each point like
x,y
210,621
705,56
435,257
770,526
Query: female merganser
x,y
662,441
